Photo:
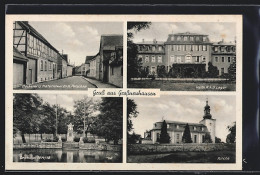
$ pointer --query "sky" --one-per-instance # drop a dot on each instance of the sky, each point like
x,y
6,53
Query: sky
x,y
77,39
64,100
160,30
185,109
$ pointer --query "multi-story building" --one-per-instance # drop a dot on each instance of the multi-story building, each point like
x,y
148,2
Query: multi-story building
x,y
223,54
41,55
69,70
62,66
116,67
94,66
87,63
176,129
151,55
186,55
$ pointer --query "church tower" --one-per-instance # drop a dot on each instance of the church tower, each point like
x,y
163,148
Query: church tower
x,y
209,122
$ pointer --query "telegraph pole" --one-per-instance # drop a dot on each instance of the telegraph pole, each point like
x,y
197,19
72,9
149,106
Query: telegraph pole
x,y
84,117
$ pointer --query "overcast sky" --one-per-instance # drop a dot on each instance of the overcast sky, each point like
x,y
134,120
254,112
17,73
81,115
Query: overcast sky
x,y
77,39
64,100
185,109
160,30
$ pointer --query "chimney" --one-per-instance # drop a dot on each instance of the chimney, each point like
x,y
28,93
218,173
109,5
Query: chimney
x,y
154,40
143,40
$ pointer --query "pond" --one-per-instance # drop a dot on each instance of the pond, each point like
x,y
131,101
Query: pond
x,y
64,155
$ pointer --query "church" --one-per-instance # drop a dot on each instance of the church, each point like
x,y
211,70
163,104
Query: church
x,y
175,129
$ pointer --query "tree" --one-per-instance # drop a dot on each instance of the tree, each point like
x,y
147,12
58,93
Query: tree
x,y
186,138
212,71
133,138
164,136
83,109
207,138
110,120
131,113
25,113
161,71
232,71
217,140
133,64
231,137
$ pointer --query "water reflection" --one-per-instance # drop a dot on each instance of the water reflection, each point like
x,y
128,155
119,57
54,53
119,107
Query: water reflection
x,y
63,155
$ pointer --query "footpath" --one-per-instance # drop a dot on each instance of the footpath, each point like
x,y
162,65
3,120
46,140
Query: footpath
x,y
99,84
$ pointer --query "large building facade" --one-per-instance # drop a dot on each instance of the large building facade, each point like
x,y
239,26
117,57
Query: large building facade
x,y
42,57
185,55
197,130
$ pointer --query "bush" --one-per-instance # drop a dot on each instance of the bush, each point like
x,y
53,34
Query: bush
x,y
55,139
89,140
48,140
76,139
63,139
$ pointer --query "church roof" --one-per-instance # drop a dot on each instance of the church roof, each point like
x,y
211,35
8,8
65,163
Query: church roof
x,y
177,126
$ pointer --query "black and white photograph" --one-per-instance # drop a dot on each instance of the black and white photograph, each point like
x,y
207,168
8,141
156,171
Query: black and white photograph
x,y
67,128
182,56
67,55
181,129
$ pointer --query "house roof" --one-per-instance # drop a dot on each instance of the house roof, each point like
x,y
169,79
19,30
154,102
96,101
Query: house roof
x,y
25,25
223,43
19,55
110,42
88,59
188,34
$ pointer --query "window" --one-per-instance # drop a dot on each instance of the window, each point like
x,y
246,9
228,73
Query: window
x,y
177,126
194,128
204,48
172,47
198,47
234,49
41,66
215,49
178,136
222,72
184,47
229,60
45,66
223,59
222,49
178,47
202,129
159,59
153,48
197,59
178,38
172,58
191,38
185,38
168,125
204,59
140,58
197,38
160,48
178,59
153,58
228,49
216,59
50,66
172,38
204,38
146,58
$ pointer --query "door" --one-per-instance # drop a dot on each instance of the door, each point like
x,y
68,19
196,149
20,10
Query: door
x,y
195,138
18,74
30,76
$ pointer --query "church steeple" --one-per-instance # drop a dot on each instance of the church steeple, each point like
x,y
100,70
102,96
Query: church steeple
x,y
207,114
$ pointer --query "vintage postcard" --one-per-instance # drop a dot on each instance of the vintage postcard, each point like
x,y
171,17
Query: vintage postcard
x,y
123,92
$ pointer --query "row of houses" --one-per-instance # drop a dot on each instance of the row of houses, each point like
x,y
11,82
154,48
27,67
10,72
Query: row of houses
x,y
34,58
188,53
107,65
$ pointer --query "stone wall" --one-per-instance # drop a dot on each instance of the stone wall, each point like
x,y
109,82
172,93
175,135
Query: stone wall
x,y
38,145
101,147
164,148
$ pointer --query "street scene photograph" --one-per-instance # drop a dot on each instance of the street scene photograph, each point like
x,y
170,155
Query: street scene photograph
x,y
181,56
67,55
67,128
181,129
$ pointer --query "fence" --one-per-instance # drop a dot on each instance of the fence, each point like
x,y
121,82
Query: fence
x,y
185,79
42,145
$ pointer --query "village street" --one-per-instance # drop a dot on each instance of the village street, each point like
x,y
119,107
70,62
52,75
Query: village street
x,y
69,83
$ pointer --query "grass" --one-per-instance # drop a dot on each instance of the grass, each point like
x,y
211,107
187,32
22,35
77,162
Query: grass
x,y
182,86
224,156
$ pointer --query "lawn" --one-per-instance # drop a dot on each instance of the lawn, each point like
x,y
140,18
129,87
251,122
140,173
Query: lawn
x,y
182,86
225,156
